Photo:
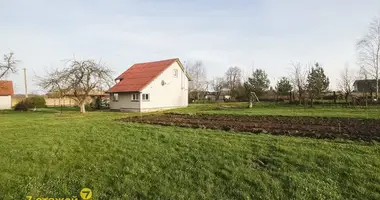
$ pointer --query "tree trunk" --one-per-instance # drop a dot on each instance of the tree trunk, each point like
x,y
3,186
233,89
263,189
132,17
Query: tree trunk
x,y
300,97
290,97
346,97
377,88
293,96
257,98
334,97
311,102
217,96
250,97
82,107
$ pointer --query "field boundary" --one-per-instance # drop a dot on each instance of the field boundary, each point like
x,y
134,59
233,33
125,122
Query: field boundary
x,y
313,127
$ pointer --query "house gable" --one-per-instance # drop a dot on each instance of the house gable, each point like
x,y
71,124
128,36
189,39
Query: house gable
x,y
169,89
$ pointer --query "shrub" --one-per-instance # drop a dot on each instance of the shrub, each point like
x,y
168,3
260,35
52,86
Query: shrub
x,y
36,101
31,102
23,106
87,107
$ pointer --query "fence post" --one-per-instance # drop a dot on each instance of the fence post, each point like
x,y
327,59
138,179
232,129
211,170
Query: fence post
x,y
334,97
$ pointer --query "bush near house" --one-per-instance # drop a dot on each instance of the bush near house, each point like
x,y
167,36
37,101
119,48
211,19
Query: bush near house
x,y
36,101
31,102
23,106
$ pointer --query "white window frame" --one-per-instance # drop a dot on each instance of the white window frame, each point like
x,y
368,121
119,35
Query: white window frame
x,y
115,97
135,97
146,97
175,73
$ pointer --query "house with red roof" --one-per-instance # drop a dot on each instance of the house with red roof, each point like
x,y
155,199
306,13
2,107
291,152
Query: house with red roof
x,y
6,92
151,86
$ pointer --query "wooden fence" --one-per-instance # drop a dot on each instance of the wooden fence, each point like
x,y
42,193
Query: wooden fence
x,y
52,102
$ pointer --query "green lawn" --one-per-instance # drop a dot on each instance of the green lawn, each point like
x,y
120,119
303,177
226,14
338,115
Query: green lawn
x,y
45,154
282,109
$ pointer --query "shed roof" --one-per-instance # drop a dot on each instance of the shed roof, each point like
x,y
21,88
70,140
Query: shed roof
x,y
6,88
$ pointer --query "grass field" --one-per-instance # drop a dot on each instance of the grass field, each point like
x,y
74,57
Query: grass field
x,y
281,109
46,154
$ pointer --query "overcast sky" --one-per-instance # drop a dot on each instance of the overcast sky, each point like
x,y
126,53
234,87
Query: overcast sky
x,y
266,34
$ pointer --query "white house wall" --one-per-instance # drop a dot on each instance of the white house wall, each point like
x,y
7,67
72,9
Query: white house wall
x,y
125,103
174,93
5,102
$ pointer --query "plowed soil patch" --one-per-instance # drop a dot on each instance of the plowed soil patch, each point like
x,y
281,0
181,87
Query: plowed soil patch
x,y
315,127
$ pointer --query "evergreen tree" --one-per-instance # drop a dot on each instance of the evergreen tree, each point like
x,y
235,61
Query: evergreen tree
x,y
283,86
259,82
317,82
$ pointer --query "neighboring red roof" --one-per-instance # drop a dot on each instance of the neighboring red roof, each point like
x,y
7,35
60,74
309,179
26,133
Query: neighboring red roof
x,y
6,88
140,75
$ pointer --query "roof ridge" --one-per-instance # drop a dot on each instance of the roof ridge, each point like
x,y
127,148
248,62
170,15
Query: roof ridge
x,y
156,61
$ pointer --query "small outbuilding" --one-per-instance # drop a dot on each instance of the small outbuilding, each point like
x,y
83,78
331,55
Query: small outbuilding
x,y
6,92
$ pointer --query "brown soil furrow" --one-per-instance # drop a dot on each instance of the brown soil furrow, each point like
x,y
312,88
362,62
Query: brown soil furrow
x,y
347,128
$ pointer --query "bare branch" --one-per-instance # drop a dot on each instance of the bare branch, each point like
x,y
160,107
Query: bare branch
x,y
298,77
217,85
369,52
78,80
233,78
197,72
9,65
346,81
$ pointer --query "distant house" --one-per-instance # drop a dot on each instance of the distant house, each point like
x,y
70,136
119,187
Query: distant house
x,y
151,86
366,86
224,95
6,92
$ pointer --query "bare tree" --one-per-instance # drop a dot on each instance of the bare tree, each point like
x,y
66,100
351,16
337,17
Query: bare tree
x,y
299,79
197,72
77,80
217,85
9,65
233,78
346,82
363,74
369,52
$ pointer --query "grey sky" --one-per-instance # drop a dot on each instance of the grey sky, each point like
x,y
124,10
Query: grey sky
x,y
260,34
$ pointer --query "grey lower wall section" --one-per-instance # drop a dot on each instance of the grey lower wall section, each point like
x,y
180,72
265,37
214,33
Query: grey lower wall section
x,y
145,110
158,109
130,110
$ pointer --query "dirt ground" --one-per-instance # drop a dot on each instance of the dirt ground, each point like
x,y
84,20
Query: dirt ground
x,y
315,127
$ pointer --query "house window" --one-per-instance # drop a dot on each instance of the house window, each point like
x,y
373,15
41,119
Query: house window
x,y
135,97
145,97
175,73
115,97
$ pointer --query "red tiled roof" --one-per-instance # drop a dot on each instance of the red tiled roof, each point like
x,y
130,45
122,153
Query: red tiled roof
x,y
6,88
140,75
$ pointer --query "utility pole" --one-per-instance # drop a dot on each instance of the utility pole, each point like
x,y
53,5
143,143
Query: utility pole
x,y
26,85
